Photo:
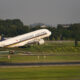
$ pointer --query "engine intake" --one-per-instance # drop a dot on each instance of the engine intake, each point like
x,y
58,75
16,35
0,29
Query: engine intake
x,y
41,41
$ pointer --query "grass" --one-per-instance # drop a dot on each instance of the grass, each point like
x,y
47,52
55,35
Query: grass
x,y
24,59
62,51
50,47
41,73
56,47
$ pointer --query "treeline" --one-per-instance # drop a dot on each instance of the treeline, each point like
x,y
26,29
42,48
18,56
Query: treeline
x,y
9,28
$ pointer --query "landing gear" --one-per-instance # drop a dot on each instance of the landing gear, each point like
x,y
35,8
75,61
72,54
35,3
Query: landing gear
x,y
11,52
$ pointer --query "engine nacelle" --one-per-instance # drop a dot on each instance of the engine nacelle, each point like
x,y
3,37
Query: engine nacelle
x,y
41,41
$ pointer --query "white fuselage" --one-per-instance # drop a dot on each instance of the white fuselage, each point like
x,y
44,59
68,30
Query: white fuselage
x,y
21,40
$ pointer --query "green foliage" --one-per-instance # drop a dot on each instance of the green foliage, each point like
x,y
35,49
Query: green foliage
x,y
75,29
12,27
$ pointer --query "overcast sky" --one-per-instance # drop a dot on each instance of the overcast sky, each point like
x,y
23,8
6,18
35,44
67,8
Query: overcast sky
x,y
44,11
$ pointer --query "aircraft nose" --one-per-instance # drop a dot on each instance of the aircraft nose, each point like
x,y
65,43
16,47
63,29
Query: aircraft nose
x,y
49,33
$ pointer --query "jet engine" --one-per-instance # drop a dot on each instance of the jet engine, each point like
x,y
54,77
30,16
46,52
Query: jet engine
x,y
41,41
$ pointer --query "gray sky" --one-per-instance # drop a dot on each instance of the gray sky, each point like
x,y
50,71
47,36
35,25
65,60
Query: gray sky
x,y
44,11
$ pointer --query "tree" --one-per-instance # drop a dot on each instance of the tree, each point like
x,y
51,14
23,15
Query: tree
x,y
75,33
60,31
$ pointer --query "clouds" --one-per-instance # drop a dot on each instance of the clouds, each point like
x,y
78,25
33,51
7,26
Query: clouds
x,y
45,11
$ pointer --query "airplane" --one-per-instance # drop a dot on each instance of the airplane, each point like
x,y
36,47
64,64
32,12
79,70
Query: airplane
x,y
28,38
